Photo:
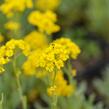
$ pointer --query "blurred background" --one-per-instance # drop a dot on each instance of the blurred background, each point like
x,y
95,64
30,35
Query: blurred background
x,y
86,22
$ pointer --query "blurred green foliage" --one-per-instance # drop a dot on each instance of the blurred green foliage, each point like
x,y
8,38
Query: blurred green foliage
x,y
102,86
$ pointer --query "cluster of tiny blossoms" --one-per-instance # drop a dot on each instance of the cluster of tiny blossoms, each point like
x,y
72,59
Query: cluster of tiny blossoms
x,y
46,60
9,7
44,21
73,49
8,50
61,87
52,57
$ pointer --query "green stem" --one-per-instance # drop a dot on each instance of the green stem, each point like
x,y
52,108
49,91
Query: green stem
x,y
1,102
17,75
54,97
22,97
69,72
54,102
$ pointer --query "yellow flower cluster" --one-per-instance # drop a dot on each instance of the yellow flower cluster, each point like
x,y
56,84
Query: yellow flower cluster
x,y
30,67
73,49
52,91
8,50
11,6
54,56
36,40
46,60
51,58
44,21
47,4
12,25
61,88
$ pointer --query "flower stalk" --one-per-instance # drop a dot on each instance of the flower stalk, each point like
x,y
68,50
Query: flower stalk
x,y
1,101
17,73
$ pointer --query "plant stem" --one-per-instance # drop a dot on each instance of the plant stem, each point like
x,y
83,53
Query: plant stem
x,y
1,101
22,97
17,78
54,97
69,71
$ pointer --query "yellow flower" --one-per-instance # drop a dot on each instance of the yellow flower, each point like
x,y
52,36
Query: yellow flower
x,y
36,40
9,7
44,21
8,50
58,52
23,46
50,58
47,4
34,63
61,87
73,49
29,3
28,68
9,53
52,90
54,57
11,25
